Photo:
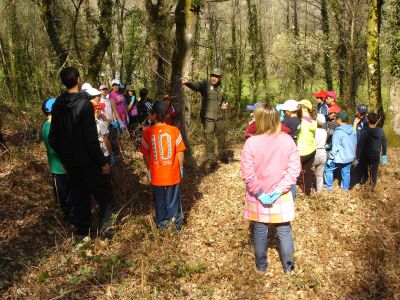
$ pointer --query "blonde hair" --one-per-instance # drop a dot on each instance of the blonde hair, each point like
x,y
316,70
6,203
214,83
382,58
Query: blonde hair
x,y
267,120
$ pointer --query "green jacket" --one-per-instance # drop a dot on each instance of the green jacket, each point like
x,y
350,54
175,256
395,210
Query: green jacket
x,y
211,98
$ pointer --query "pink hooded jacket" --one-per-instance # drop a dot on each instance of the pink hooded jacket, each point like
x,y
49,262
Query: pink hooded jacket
x,y
269,163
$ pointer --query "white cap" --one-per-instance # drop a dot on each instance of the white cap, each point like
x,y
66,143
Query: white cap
x,y
86,86
115,81
290,105
321,119
93,92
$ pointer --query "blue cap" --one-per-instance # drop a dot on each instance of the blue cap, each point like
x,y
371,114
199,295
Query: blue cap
x,y
254,106
48,105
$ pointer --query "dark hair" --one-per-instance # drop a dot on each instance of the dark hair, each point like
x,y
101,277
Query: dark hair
x,y
372,118
161,118
143,93
69,77
299,112
44,110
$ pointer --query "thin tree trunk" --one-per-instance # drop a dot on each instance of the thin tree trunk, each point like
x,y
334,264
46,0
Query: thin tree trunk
x,y
104,39
296,33
185,21
373,57
54,37
327,56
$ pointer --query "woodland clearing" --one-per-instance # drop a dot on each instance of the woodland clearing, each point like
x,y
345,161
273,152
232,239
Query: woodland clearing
x,y
347,244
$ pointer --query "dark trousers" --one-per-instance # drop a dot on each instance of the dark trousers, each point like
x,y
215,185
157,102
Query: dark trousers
x,y
87,182
62,192
368,167
212,127
167,200
306,175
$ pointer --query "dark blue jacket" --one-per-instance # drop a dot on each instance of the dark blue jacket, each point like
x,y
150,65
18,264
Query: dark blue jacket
x,y
363,124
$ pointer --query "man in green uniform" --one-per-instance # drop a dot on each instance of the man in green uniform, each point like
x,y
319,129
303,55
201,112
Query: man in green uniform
x,y
211,113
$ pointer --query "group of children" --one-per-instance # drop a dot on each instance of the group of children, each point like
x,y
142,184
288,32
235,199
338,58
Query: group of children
x,y
161,144
283,146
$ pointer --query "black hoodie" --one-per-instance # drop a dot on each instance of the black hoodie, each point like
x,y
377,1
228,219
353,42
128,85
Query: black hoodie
x,y
372,140
73,131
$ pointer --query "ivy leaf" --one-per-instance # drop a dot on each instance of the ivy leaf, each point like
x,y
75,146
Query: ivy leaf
x,y
43,276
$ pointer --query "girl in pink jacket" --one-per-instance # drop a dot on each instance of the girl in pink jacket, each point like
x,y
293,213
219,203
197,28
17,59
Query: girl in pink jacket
x,y
270,165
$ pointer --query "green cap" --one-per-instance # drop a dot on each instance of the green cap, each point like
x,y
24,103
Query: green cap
x,y
216,71
342,116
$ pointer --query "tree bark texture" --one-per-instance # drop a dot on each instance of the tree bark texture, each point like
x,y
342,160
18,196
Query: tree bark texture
x,y
104,30
159,35
327,55
45,8
185,21
373,58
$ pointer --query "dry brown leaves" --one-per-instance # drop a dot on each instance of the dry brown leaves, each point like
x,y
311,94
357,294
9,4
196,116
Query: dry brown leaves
x,y
347,244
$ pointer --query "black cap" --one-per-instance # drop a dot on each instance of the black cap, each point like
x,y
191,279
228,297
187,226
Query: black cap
x,y
362,108
160,107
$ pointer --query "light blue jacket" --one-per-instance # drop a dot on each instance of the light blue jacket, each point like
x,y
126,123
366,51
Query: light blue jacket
x,y
344,143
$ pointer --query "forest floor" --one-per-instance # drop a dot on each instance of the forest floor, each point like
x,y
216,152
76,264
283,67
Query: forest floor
x,y
347,244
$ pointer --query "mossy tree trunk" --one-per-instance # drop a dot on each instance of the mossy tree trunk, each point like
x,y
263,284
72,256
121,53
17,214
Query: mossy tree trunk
x,y
394,41
373,58
159,36
104,29
236,57
298,76
258,68
53,32
185,21
327,53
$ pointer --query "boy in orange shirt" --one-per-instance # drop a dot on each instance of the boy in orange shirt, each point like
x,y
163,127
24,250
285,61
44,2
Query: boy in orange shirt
x,y
163,152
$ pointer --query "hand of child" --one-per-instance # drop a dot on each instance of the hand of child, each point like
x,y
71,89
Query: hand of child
x,y
265,199
121,125
356,162
112,159
384,160
181,172
148,175
275,195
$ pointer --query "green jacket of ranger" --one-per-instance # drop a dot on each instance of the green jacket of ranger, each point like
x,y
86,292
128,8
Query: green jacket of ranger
x,y
211,98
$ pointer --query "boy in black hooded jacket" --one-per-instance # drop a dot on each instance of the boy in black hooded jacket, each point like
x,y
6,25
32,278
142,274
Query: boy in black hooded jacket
x,y
73,136
372,141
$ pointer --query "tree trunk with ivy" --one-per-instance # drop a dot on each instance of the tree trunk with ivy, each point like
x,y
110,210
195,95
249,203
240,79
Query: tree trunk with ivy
x,y
159,36
373,58
185,20
327,55
258,69
53,32
298,76
394,41
104,29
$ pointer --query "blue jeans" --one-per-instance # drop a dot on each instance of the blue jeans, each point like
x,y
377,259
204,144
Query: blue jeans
x,y
293,190
344,171
260,236
167,200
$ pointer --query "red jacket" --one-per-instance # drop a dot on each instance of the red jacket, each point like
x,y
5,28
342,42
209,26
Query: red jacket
x,y
171,114
251,129
333,107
